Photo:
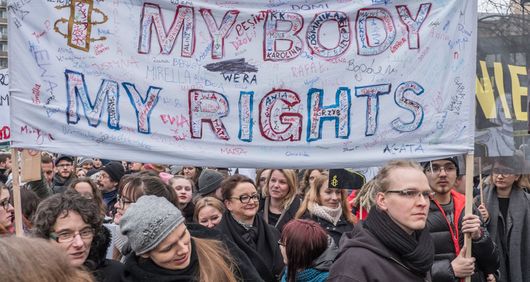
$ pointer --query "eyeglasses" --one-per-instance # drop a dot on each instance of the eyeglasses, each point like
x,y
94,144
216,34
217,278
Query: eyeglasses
x,y
281,243
436,169
123,200
64,165
69,236
412,194
504,171
5,204
245,199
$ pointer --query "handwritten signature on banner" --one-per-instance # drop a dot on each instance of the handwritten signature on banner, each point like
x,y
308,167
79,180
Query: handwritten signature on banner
x,y
244,77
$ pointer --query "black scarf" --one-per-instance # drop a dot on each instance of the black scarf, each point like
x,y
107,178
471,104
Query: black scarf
x,y
141,269
260,243
416,251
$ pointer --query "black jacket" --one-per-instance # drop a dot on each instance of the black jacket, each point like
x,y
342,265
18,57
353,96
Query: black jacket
x,y
363,258
484,250
260,243
286,215
104,270
335,231
60,184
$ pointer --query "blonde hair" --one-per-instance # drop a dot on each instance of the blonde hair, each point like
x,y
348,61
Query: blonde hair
x,y
207,202
290,176
214,263
313,196
382,181
36,253
365,198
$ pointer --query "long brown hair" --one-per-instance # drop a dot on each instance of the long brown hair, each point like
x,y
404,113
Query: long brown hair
x,y
214,263
313,196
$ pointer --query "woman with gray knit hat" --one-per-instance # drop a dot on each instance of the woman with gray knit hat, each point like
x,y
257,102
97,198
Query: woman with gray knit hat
x,y
164,249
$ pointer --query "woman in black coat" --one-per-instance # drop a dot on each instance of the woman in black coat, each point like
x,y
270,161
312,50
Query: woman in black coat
x,y
247,229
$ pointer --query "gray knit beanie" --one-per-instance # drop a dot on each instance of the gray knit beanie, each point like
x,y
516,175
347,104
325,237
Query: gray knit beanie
x,y
209,181
148,222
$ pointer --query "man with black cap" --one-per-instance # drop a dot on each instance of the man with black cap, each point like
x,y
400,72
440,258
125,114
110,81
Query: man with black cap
x,y
108,180
210,184
64,173
447,224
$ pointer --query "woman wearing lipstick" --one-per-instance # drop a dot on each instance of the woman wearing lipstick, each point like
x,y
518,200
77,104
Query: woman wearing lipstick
x,y
184,191
7,212
243,226
280,200
164,249
328,207
74,224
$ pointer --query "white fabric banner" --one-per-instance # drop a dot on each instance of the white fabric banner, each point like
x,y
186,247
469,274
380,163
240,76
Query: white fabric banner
x,y
244,83
5,131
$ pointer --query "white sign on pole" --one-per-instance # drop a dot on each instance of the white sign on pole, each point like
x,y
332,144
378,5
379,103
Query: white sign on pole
x,y
245,83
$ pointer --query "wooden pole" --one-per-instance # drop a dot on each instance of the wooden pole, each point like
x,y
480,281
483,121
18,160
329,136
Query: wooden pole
x,y
480,183
19,231
469,203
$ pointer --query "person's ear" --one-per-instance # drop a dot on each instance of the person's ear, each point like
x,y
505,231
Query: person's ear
x,y
380,200
228,205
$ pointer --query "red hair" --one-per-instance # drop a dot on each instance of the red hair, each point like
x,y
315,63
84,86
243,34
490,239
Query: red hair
x,y
304,240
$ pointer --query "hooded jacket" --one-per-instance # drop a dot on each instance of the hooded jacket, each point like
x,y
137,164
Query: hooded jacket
x,y
103,269
363,258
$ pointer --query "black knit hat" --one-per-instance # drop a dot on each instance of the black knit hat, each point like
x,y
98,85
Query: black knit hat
x,y
115,170
209,181
345,179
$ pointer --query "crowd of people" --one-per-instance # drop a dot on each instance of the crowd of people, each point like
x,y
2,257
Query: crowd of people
x,y
97,220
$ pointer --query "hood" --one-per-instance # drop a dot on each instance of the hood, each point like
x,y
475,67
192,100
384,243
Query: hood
x,y
98,249
360,237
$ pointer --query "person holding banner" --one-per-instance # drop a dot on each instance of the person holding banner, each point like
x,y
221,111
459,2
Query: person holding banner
x,y
392,244
447,224
327,205
280,198
507,217
243,225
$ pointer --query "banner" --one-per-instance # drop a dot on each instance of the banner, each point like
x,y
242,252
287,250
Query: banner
x,y
244,84
5,131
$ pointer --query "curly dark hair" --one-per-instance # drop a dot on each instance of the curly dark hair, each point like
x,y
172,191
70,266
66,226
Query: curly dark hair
x,y
58,205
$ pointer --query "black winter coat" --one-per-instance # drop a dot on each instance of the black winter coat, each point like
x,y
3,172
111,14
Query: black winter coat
x,y
104,270
335,231
363,258
484,250
286,215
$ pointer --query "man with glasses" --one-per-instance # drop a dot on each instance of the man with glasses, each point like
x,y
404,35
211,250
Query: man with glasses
x,y
507,217
74,224
392,244
64,173
447,225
